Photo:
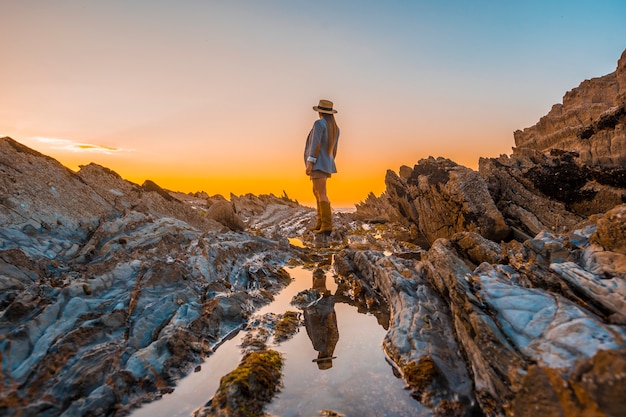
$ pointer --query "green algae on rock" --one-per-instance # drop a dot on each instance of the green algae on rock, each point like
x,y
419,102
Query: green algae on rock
x,y
245,390
287,326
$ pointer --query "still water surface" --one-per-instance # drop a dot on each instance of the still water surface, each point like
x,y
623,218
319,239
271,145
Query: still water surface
x,y
360,382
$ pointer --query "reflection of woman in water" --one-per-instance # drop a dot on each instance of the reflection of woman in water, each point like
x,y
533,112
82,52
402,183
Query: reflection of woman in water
x,y
320,321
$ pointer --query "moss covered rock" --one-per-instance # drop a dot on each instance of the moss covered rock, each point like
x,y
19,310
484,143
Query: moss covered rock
x,y
244,391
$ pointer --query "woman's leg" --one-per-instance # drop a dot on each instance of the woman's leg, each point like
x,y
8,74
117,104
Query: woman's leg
x,y
317,197
319,189
319,184
318,220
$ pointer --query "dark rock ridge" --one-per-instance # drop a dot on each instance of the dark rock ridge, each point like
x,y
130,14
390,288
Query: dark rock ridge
x,y
510,196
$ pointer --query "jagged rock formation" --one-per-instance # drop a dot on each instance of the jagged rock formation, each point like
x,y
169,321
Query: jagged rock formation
x,y
433,190
510,197
503,290
591,122
538,320
537,308
32,185
550,192
569,166
104,316
278,217
110,291
421,338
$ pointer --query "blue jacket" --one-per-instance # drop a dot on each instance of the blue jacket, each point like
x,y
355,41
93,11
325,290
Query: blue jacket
x,y
317,145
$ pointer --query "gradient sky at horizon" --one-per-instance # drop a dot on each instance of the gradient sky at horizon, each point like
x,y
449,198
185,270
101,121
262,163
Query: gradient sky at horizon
x,y
217,95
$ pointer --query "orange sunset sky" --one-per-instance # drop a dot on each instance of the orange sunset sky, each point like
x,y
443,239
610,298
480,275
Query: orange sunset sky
x,y
217,95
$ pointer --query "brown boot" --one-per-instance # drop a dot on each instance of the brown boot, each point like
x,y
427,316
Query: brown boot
x,y
318,222
327,218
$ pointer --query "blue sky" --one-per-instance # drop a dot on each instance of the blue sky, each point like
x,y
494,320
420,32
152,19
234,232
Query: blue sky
x,y
217,95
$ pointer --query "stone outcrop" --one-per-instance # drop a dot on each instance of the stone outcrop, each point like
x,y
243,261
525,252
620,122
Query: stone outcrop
x,y
591,121
224,213
542,318
110,291
549,192
502,291
611,230
538,312
511,197
245,391
39,194
104,317
421,338
149,198
435,189
276,216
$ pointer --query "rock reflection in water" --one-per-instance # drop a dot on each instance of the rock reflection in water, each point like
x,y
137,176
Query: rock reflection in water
x,y
339,364
358,381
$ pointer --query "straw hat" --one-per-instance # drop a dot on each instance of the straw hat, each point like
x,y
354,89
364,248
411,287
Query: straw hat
x,y
325,106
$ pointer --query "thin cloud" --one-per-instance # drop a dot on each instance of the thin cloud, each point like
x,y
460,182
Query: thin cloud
x,y
71,146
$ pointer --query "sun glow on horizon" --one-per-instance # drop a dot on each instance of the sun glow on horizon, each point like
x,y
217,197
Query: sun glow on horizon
x,y
345,190
218,96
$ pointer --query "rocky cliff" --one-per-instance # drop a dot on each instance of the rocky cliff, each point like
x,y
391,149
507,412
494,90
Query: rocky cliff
x,y
591,121
518,254
569,166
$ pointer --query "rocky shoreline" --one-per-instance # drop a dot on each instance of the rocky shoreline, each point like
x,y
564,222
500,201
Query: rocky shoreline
x,y
504,288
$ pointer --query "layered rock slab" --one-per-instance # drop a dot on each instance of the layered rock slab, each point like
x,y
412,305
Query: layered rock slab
x,y
441,198
591,121
420,339
112,291
123,325
520,315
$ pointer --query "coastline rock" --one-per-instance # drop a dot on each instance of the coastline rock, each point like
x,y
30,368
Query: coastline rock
x,y
108,307
377,209
526,209
528,308
148,198
223,212
611,230
245,391
594,388
39,195
522,194
419,340
556,192
513,305
591,121
435,189
275,217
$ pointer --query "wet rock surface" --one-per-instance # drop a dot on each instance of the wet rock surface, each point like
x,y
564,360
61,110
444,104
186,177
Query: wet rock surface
x,y
126,293
245,391
105,319
499,289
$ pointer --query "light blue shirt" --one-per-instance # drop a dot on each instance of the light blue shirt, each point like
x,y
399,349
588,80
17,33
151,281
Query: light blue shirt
x,y
317,147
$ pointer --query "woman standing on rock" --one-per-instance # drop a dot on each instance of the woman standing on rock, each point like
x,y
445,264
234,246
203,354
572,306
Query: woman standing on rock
x,y
319,157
